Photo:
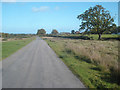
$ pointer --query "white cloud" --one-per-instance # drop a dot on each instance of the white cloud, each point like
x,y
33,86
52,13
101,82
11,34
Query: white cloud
x,y
8,0
41,9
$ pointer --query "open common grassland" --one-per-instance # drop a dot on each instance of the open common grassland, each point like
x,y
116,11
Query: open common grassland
x,y
91,36
9,47
94,62
104,36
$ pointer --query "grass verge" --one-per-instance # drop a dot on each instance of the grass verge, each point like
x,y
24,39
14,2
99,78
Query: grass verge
x,y
9,47
92,75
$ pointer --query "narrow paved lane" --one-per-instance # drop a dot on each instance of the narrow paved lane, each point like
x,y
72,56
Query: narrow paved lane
x,y
37,66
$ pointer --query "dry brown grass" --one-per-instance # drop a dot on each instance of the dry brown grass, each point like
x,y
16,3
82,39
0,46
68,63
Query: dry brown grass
x,y
102,53
12,39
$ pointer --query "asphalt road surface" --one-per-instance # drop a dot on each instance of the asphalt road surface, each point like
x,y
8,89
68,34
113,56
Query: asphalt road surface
x,y
37,66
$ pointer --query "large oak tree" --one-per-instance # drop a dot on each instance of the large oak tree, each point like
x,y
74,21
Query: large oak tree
x,y
96,18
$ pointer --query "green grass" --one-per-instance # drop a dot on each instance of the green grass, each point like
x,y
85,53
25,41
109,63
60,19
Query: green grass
x,y
9,47
88,73
88,37
92,36
95,36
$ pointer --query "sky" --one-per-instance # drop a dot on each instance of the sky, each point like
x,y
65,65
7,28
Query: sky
x,y
28,17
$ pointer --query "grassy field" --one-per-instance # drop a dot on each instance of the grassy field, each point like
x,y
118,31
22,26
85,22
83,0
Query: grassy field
x,y
9,47
104,36
94,62
91,36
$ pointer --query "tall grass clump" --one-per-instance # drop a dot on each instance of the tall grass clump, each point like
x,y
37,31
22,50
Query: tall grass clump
x,y
104,54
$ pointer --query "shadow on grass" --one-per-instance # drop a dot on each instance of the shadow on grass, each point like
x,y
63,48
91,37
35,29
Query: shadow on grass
x,y
62,56
74,37
83,58
95,68
111,38
107,77
86,37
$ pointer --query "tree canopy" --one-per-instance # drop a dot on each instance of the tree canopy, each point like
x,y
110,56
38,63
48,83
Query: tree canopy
x,y
96,19
41,32
73,32
54,31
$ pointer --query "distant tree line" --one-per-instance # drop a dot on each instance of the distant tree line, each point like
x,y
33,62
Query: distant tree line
x,y
42,32
8,35
75,32
54,32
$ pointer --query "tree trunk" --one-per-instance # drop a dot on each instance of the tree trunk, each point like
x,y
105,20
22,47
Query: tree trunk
x,y
99,38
